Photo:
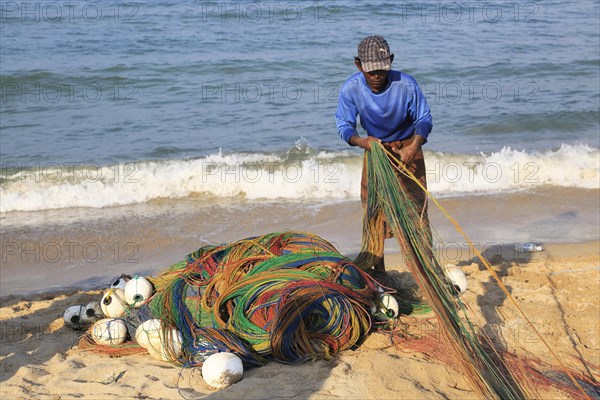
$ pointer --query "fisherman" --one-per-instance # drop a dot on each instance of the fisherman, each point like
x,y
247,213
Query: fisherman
x,y
393,111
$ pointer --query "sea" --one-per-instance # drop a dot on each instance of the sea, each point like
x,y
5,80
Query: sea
x,y
119,115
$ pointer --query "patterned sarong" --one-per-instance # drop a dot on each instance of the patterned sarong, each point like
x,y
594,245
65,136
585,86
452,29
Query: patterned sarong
x,y
380,228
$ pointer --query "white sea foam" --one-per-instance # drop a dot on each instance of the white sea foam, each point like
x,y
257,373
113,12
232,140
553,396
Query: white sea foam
x,y
569,166
301,175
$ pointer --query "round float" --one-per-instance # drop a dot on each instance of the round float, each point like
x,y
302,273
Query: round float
x,y
113,303
93,312
457,278
162,344
109,332
222,369
74,316
120,282
137,291
389,306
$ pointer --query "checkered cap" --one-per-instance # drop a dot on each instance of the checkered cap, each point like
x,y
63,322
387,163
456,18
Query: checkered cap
x,y
374,54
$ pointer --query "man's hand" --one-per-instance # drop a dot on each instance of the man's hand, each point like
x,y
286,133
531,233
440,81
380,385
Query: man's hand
x,y
407,153
363,142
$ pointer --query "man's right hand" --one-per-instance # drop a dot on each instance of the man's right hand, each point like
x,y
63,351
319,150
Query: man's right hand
x,y
363,142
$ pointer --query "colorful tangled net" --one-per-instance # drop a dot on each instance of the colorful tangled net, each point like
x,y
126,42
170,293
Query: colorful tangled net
x,y
286,297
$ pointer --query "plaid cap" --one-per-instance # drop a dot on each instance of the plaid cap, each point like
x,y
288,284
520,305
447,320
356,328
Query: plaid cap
x,y
374,54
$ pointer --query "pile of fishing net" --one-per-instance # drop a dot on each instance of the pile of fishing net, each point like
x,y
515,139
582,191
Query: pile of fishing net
x,y
286,297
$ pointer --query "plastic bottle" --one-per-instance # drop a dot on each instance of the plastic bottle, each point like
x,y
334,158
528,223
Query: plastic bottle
x,y
528,247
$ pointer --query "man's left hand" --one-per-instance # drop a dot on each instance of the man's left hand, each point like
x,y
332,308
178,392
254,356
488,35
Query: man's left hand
x,y
408,153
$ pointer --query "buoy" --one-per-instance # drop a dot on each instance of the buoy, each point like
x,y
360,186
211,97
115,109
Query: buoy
x,y
113,303
74,316
457,278
137,291
222,369
161,344
145,330
93,312
389,306
109,332
120,282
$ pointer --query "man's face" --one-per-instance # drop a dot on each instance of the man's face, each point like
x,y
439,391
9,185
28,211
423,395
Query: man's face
x,y
377,80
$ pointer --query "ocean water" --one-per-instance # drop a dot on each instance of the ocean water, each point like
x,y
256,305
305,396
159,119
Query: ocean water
x,y
106,104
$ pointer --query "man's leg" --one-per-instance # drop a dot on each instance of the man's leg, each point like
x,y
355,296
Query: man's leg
x,y
374,230
380,266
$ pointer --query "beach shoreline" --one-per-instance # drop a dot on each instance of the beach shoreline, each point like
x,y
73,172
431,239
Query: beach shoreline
x,y
94,245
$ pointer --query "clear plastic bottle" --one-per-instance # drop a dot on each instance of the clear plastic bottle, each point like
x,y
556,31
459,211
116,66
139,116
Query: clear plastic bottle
x,y
528,247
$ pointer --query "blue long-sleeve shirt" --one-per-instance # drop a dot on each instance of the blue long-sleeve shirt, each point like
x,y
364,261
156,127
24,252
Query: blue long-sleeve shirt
x,y
394,114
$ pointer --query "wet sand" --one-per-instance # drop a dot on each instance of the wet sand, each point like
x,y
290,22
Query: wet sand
x,y
50,251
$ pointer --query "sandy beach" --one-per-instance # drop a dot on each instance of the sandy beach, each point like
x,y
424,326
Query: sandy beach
x,y
558,289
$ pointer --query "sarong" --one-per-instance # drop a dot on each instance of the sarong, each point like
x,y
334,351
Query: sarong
x,y
380,230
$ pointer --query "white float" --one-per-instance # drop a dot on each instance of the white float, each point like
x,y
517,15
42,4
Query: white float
x,y
457,278
93,312
109,332
161,344
120,282
390,306
113,303
74,316
222,369
137,291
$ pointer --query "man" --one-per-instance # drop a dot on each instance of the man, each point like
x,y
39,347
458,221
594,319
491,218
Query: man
x,y
393,111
